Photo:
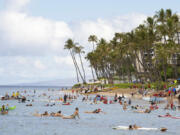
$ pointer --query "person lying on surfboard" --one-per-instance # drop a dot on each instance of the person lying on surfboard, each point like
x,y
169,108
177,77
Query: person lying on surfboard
x,y
95,111
145,111
135,127
58,114
74,115
167,115
40,115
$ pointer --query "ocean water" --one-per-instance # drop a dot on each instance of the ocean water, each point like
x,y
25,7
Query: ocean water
x,y
21,121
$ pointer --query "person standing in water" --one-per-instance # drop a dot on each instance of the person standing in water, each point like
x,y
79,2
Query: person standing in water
x,y
124,105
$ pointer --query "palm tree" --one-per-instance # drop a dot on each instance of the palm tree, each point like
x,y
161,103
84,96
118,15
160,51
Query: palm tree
x,y
79,51
93,39
69,45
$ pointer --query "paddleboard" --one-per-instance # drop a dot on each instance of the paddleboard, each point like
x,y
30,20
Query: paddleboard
x,y
164,116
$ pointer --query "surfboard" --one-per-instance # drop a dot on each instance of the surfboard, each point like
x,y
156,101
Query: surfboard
x,y
127,128
164,116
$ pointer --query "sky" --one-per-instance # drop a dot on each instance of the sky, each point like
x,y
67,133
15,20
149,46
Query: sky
x,y
33,33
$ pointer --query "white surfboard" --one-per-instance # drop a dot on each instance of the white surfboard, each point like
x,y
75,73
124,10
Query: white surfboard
x,y
127,128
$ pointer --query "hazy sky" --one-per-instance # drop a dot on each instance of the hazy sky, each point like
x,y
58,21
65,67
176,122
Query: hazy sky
x,y
33,32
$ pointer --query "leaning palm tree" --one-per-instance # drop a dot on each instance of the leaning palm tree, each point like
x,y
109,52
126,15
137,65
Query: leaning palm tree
x,y
79,51
69,45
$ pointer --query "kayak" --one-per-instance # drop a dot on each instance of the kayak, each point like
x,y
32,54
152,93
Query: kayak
x,y
10,108
165,116
127,128
66,104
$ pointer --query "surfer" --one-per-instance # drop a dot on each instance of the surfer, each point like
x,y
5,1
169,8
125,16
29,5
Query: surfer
x,y
74,115
95,111
40,115
135,127
145,111
131,127
58,114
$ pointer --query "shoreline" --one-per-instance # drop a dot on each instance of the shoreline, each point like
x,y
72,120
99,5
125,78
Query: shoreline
x,y
127,92
110,92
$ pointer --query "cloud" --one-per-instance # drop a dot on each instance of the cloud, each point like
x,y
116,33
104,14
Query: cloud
x,y
32,47
16,5
63,60
23,34
39,65
105,28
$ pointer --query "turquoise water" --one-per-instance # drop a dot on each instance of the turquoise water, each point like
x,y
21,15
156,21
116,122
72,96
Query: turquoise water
x,y
21,122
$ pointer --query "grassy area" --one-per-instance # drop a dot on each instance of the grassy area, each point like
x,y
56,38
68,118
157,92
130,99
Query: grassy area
x,y
156,85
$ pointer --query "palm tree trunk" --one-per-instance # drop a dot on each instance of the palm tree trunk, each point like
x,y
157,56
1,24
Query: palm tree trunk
x,y
77,76
92,73
78,69
82,67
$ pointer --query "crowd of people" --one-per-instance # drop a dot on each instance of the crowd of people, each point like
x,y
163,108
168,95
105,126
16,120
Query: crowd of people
x,y
67,99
